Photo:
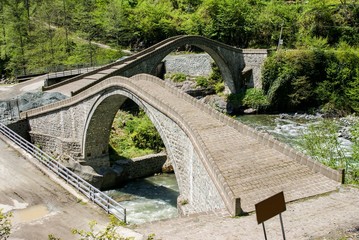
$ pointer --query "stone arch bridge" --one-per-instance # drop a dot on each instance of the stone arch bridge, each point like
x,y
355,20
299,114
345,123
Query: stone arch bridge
x,y
219,163
239,67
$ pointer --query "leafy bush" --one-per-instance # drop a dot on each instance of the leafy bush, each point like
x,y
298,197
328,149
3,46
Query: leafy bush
x,y
133,136
215,75
110,232
178,77
5,224
300,80
202,81
255,98
219,87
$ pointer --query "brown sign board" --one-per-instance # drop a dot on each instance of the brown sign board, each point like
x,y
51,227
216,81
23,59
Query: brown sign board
x,y
270,207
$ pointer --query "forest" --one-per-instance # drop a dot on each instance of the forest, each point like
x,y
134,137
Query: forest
x,y
317,64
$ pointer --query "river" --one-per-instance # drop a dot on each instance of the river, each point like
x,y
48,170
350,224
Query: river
x,y
148,199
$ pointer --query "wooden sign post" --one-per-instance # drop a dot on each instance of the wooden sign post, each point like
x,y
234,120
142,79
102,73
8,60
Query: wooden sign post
x,y
269,208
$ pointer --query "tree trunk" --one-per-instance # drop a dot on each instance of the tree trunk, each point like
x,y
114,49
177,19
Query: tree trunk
x,y
67,47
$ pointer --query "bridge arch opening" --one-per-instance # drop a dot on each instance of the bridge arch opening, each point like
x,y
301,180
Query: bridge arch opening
x,y
100,123
217,59
97,151
192,70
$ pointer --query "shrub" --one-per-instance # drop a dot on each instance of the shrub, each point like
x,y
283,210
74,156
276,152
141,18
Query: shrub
x,y
255,98
219,87
202,81
133,136
5,224
178,77
300,80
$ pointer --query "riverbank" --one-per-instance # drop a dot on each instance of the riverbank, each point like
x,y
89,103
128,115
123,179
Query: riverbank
x,y
332,216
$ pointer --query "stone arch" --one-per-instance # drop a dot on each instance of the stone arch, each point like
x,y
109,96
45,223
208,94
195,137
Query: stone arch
x,y
98,125
230,60
195,184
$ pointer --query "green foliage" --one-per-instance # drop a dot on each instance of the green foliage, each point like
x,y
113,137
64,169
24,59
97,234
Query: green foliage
x,y
322,143
134,136
202,81
5,224
151,236
45,33
178,77
219,87
255,98
215,75
353,164
252,97
109,233
308,79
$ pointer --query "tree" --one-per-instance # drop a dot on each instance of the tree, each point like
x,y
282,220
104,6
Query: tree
x,y
271,18
18,33
316,21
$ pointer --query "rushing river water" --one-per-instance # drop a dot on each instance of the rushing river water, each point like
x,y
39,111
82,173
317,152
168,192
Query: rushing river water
x,y
148,199
155,198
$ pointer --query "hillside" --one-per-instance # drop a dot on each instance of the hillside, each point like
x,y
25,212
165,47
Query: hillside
x,y
29,42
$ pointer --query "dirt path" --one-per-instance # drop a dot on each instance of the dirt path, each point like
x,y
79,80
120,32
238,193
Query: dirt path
x,y
11,91
325,217
40,206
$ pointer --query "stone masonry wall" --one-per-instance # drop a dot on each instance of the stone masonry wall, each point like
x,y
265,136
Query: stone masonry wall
x,y
189,64
142,166
58,131
196,187
254,59
200,64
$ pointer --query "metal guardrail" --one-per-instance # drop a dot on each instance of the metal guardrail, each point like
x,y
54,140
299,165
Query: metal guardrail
x,y
71,72
92,193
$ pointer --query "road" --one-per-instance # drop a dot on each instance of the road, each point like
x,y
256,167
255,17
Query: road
x,y
11,91
41,206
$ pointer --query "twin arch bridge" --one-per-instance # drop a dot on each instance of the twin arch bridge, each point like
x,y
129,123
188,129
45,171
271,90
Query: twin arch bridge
x,y
219,163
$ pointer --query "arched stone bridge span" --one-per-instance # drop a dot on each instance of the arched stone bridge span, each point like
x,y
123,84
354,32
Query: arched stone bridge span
x,y
218,162
230,60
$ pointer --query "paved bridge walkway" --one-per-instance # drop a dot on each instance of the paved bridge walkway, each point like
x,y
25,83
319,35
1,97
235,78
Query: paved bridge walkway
x,y
251,169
